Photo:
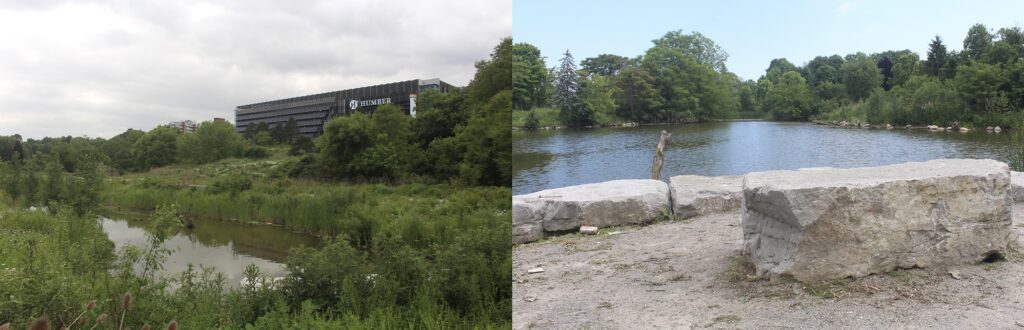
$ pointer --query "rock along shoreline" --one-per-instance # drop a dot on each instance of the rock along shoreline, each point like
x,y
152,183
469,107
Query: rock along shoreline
x,y
865,220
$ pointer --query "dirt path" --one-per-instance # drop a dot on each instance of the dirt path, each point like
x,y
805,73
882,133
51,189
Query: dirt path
x,y
689,275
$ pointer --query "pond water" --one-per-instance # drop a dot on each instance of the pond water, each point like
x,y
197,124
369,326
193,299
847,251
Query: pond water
x,y
225,246
552,159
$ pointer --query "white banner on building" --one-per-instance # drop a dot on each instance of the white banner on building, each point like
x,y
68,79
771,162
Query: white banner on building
x,y
412,105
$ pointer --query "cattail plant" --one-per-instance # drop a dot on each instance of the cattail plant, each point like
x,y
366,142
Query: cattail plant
x,y
42,323
81,319
99,320
126,303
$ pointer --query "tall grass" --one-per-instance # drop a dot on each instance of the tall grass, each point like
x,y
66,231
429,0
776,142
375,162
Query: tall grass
x,y
423,212
446,269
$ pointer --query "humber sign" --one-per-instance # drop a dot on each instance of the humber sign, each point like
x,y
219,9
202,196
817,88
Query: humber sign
x,y
355,104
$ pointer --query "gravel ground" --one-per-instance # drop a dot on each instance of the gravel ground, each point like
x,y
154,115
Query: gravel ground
x,y
690,275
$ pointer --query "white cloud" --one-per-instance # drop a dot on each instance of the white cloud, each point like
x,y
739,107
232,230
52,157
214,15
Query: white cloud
x,y
98,68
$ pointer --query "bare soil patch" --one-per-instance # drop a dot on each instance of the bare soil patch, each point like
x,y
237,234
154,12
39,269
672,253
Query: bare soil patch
x,y
689,274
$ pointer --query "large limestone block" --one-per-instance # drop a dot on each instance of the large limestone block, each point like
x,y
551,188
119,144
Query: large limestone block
x,y
526,226
1017,186
599,204
694,195
826,223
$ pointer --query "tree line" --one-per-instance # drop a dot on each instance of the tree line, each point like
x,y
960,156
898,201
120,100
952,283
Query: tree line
x,y
460,136
683,77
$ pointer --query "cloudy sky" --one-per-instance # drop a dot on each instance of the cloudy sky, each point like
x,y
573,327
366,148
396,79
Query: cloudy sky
x,y
97,68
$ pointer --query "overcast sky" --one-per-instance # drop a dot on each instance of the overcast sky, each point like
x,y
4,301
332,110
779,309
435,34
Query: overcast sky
x,y
754,32
97,68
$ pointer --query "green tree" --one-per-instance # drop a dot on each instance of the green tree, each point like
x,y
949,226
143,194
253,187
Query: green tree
x,y
928,100
860,75
492,76
691,90
487,159
977,42
880,106
156,148
637,98
605,64
906,64
1015,83
212,141
437,115
748,94
979,85
343,139
290,130
393,133
572,111
936,59
790,98
821,69
695,45
532,123
777,68
278,133
76,152
301,145
1008,46
119,149
597,94
250,132
529,77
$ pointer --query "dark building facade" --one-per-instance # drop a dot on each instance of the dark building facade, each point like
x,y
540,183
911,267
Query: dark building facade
x,y
312,111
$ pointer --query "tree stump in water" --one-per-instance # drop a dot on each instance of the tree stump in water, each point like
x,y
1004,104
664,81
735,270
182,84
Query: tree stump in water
x,y
659,155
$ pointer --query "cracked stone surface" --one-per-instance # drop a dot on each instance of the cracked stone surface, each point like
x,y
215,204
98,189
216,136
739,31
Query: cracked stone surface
x,y
1017,186
826,223
694,195
604,204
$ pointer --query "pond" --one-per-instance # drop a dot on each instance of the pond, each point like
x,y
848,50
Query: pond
x,y
558,158
227,247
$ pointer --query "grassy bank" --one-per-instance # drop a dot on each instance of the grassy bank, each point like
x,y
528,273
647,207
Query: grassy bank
x,y
548,117
880,113
225,191
398,256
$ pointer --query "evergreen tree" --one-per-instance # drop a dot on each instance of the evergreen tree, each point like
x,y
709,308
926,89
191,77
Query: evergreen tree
x,y
250,131
567,94
885,64
936,59
291,130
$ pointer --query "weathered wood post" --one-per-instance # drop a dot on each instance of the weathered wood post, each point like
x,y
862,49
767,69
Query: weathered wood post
x,y
659,155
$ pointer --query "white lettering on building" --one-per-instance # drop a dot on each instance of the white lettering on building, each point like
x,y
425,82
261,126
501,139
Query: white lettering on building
x,y
356,104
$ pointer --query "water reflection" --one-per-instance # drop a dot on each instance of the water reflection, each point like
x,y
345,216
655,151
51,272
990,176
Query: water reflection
x,y
730,148
226,247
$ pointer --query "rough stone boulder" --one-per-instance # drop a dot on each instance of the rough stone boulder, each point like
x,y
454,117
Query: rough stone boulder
x,y
598,204
826,223
1017,186
694,195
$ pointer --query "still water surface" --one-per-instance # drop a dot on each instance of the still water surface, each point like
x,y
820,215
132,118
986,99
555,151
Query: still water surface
x,y
552,159
225,246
